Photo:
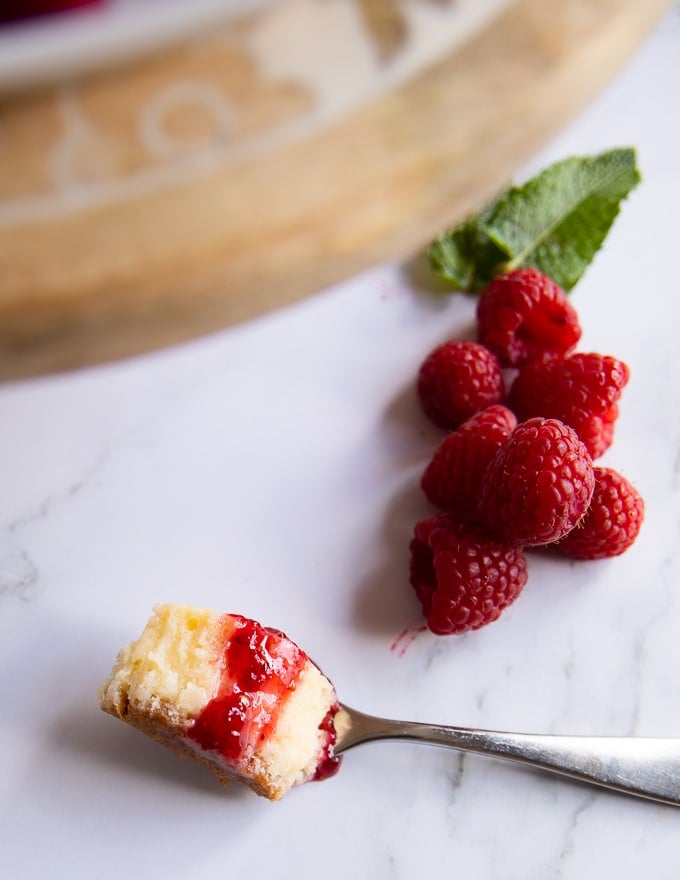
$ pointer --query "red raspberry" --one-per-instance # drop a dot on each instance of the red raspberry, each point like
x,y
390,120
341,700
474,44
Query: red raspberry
x,y
458,379
581,390
463,578
453,477
523,315
538,485
612,522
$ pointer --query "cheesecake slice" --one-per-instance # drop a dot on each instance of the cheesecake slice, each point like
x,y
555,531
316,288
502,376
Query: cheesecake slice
x,y
239,698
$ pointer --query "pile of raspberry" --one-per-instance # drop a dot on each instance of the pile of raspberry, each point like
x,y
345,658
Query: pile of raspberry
x,y
526,417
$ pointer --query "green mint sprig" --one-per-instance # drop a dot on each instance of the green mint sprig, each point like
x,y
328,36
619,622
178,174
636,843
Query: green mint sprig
x,y
557,222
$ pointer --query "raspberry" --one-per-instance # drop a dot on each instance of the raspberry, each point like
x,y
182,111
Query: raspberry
x,y
538,485
457,380
581,390
463,578
453,477
612,522
523,315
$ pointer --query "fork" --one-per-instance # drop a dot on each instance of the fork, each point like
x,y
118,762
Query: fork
x,y
646,767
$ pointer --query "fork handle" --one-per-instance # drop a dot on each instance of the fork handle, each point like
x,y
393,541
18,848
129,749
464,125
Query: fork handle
x,y
647,767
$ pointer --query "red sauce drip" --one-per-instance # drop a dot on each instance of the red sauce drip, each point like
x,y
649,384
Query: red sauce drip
x,y
330,762
261,667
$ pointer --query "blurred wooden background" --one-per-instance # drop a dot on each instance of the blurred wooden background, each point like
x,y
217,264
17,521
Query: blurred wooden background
x,y
256,164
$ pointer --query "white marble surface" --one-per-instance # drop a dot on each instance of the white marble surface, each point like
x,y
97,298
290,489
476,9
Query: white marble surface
x,y
272,470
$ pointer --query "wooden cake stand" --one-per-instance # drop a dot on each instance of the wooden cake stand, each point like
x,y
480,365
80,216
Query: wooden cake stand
x,y
252,165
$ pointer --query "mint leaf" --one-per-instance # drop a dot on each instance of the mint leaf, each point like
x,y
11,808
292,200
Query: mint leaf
x,y
556,222
559,220
466,256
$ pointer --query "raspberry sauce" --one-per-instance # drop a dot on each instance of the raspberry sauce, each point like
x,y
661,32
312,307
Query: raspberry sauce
x,y
330,762
261,668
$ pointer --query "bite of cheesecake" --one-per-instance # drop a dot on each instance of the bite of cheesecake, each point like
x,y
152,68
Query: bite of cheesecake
x,y
241,699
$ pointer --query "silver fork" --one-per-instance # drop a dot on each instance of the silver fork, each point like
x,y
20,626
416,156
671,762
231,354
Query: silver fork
x,y
647,767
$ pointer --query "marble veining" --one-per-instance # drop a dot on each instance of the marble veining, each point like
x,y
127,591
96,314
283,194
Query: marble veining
x,y
571,834
19,573
19,576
